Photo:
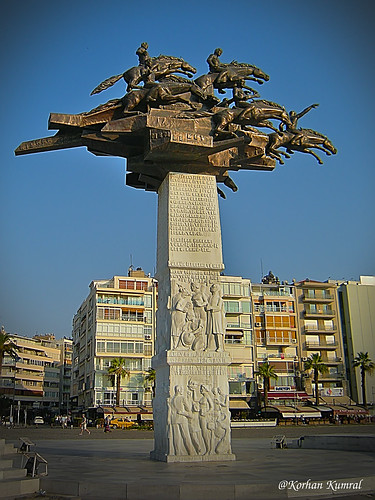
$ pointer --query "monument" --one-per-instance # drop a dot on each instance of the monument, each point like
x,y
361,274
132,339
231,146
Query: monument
x,y
181,140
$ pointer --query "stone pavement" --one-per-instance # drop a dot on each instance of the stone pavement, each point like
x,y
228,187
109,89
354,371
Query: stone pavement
x,y
91,468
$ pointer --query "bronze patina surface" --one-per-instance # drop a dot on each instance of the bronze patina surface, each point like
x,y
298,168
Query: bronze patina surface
x,y
168,121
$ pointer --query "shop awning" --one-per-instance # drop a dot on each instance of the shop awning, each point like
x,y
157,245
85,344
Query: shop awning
x,y
292,395
147,416
297,412
347,410
238,404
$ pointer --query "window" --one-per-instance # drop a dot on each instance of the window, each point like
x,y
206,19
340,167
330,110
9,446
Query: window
x,y
113,347
232,289
231,306
108,313
245,306
148,317
148,349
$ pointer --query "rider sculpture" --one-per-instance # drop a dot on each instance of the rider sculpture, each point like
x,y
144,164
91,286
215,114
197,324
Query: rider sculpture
x,y
298,132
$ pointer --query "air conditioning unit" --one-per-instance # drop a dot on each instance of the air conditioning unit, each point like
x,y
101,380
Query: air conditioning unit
x,y
258,324
148,337
304,359
339,359
294,341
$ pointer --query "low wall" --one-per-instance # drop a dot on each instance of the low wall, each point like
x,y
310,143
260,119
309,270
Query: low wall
x,y
253,423
365,442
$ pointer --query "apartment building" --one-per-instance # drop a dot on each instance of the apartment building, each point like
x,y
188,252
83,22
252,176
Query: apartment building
x,y
65,345
357,305
320,332
117,319
32,378
276,337
239,341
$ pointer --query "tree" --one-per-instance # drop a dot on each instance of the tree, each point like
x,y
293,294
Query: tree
x,y
266,371
315,363
118,370
365,363
7,346
150,378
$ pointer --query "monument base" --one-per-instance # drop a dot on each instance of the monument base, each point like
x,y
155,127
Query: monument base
x,y
191,417
191,404
184,458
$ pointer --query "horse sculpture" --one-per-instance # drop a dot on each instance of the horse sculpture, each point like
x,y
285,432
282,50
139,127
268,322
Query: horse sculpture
x,y
256,114
164,92
233,76
159,67
307,139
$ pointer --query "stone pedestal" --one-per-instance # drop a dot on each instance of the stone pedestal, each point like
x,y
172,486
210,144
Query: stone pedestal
x,y
191,405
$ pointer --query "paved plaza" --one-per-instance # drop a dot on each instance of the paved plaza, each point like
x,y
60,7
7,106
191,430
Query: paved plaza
x,y
117,466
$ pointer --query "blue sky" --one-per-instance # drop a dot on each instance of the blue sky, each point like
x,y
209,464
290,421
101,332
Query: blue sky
x,y
67,217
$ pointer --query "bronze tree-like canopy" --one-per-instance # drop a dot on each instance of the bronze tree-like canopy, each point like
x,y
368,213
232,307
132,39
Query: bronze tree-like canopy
x,y
169,120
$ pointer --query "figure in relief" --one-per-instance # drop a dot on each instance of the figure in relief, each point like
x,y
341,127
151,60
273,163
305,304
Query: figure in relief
x,y
181,306
179,416
221,418
215,320
192,336
194,427
206,418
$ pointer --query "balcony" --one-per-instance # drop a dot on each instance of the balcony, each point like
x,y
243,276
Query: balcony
x,y
330,330
321,345
333,361
331,376
277,293
324,298
278,309
319,312
283,340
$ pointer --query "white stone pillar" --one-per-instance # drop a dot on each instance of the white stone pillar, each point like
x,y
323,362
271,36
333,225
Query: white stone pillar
x,y
191,405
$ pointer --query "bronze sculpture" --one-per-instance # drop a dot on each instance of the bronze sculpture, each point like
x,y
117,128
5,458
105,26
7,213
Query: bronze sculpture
x,y
166,117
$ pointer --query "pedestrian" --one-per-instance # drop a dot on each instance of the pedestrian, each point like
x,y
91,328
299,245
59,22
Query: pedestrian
x,y
106,424
84,425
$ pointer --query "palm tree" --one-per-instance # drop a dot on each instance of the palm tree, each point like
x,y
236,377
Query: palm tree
x,y
266,371
118,370
315,363
364,362
7,346
150,378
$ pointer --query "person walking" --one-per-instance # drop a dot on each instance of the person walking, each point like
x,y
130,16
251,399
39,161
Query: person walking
x,y
84,425
106,424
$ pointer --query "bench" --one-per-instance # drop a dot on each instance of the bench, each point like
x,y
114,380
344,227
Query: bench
x,y
25,445
32,463
279,442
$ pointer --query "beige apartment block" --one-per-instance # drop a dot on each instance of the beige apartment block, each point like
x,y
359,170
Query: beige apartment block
x,y
277,340
357,300
65,345
117,319
320,332
239,340
32,379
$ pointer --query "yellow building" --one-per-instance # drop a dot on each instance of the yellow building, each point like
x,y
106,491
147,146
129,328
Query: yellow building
x,y
277,339
320,331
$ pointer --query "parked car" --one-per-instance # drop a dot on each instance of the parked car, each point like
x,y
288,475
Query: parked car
x,y
38,420
121,423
